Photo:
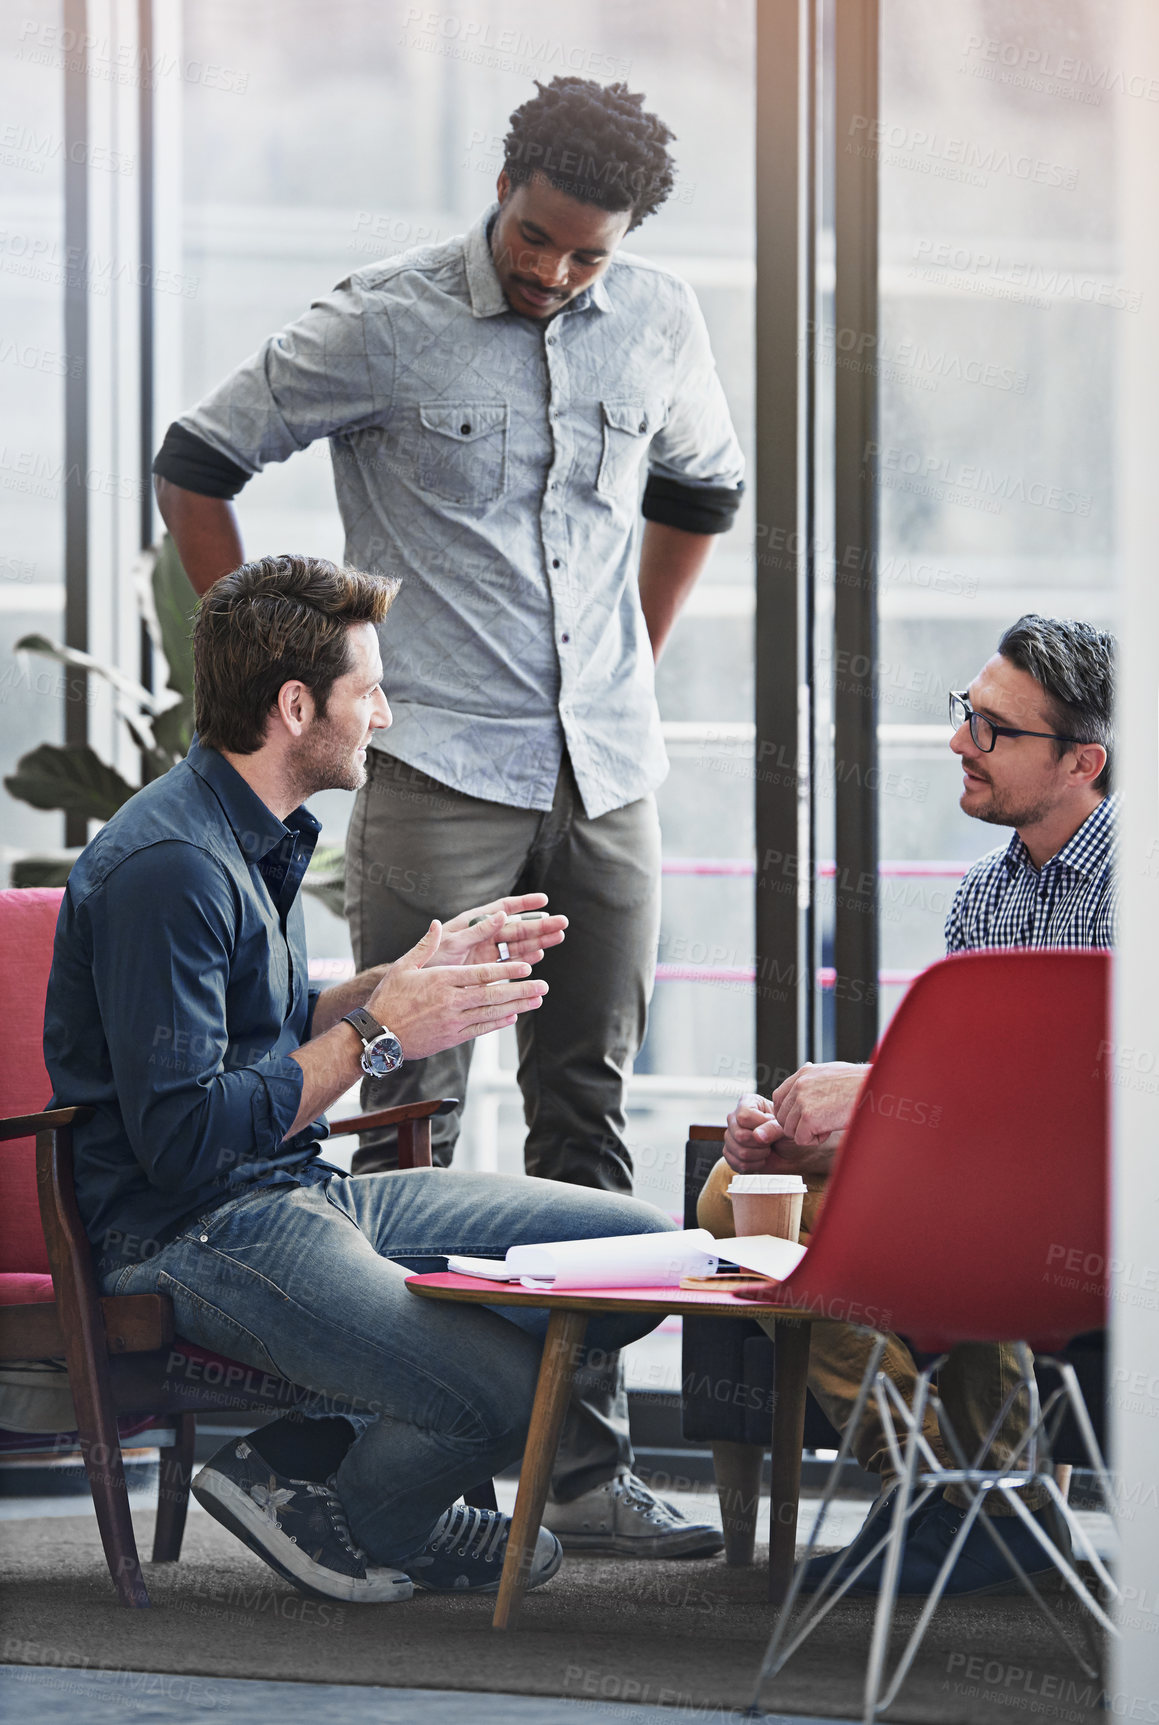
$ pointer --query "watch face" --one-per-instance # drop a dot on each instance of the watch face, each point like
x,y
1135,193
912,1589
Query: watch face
x,y
382,1056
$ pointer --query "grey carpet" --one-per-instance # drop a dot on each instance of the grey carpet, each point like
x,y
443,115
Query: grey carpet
x,y
685,1636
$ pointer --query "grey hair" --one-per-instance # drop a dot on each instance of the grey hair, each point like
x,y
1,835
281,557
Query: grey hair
x,y
1074,663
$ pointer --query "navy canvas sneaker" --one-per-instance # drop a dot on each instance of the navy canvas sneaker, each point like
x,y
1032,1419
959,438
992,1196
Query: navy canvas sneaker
x,y
297,1526
466,1550
873,1528
979,1568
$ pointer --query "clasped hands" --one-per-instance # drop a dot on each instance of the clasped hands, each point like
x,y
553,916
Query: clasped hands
x,y
798,1129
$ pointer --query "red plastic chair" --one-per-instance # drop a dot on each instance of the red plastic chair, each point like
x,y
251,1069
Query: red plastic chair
x,y
971,1183
127,1371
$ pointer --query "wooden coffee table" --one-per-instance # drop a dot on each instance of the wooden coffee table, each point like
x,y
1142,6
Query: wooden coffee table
x,y
565,1334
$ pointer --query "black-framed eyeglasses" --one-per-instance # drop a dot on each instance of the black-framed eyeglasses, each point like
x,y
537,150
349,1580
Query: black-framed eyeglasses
x,y
985,733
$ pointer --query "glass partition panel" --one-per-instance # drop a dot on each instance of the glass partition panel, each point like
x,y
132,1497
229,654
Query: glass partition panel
x,y
1001,297
33,371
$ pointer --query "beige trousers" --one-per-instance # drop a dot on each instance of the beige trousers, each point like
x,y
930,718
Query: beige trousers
x,y
973,1383
417,849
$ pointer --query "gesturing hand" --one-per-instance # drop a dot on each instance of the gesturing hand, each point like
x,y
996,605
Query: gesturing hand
x,y
430,1007
500,920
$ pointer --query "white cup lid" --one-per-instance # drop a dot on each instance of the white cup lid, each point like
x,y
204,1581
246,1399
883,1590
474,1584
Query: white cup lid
x,y
765,1185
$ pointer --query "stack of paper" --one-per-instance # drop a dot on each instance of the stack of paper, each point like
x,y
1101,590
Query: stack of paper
x,y
634,1260
621,1261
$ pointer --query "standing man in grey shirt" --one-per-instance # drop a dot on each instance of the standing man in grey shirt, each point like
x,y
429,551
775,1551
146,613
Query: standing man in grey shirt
x,y
494,405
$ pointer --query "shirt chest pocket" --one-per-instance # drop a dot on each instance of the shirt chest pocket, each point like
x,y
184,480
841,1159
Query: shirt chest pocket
x,y
628,428
462,451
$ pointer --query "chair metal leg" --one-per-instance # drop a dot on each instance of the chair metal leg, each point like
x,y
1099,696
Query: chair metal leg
x,y
1034,1436
885,1690
776,1653
887,1596
737,1467
1037,1434
173,1490
976,1479
1086,1430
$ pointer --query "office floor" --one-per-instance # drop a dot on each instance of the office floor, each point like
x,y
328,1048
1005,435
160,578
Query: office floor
x,y
633,1642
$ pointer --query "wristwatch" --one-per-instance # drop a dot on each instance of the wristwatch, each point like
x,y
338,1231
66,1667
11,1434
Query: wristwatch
x,y
381,1048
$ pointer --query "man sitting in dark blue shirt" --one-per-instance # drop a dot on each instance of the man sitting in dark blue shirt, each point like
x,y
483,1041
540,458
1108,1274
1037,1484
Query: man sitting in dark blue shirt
x,y
179,1012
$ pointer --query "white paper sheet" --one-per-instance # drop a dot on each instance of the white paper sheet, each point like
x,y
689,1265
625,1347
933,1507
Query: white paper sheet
x,y
621,1261
490,1269
767,1254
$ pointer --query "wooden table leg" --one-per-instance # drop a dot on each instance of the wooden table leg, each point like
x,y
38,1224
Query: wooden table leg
x,y
565,1334
791,1372
737,1467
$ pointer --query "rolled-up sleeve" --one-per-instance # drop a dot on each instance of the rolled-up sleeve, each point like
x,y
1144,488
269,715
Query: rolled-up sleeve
x,y
330,371
697,446
187,1114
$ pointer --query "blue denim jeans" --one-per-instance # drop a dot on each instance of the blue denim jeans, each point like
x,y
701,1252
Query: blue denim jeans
x,y
309,1282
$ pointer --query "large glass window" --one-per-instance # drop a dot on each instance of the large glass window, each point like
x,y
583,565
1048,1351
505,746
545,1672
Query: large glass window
x,y
33,370
1001,296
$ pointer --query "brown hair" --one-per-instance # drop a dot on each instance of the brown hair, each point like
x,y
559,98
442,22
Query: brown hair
x,y
268,623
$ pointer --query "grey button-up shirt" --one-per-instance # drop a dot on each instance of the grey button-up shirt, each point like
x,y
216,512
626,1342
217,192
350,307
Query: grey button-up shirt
x,y
495,464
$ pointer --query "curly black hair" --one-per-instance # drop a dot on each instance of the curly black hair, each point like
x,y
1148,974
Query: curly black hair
x,y
595,142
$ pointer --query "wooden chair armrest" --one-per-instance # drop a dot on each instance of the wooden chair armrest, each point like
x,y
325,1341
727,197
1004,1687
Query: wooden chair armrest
x,y
392,1116
706,1133
134,1324
26,1125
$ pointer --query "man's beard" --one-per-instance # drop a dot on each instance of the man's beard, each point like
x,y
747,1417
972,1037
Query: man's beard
x,y
1003,813
324,766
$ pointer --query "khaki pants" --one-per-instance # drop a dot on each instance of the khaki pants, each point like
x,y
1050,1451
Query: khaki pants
x,y
417,850
973,1383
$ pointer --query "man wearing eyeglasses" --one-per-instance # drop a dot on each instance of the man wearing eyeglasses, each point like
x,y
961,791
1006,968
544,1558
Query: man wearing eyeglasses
x,y
1034,735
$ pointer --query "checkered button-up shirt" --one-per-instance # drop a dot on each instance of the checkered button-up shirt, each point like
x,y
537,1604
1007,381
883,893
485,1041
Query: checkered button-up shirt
x,y
1072,900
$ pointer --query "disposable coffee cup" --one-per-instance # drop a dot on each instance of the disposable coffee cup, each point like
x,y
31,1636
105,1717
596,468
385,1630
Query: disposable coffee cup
x,y
767,1204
